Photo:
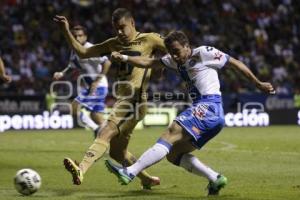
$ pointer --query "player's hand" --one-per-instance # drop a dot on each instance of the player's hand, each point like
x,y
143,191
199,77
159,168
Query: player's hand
x,y
57,75
266,87
93,87
62,21
116,56
6,78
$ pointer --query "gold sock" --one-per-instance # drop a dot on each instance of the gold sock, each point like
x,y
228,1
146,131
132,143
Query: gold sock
x,y
95,152
143,175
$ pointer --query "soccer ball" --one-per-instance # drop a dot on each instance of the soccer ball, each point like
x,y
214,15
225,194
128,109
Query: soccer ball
x,y
27,181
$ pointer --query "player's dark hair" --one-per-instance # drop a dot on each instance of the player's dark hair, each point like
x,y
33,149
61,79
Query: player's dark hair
x,y
79,28
119,13
178,36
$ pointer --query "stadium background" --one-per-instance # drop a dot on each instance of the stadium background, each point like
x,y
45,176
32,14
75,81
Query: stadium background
x,y
261,163
264,34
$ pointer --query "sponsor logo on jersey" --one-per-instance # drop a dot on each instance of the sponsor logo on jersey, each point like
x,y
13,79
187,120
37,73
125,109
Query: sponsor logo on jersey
x,y
218,56
135,43
200,111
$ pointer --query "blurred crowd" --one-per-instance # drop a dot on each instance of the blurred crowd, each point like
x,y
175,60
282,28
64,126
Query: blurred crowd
x,y
264,34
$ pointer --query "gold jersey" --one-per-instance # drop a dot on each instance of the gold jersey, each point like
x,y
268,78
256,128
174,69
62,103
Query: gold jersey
x,y
133,81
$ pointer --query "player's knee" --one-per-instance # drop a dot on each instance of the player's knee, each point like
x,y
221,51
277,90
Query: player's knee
x,y
170,158
171,128
174,128
107,132
172,135
174,158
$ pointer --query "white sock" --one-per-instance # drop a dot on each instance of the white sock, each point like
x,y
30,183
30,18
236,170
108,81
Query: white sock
x,y
150,157
86,120
195,166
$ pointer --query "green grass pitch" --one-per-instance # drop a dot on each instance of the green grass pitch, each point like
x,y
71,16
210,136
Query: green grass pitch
x,y
260,163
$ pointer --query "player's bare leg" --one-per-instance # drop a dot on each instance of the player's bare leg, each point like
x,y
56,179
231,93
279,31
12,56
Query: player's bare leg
x,y
98,118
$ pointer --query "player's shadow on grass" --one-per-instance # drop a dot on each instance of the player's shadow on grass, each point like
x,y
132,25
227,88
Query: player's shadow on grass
x,y
171,195
163,194
143,195
133,194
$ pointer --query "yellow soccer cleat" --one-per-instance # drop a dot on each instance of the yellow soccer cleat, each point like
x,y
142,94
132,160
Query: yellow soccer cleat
x,y
73,168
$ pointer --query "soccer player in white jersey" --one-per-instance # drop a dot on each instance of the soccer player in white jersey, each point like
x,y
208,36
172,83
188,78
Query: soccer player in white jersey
x,y
199,123
92,70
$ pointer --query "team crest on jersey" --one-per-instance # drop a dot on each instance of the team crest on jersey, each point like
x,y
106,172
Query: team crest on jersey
x,y
218,56
200,111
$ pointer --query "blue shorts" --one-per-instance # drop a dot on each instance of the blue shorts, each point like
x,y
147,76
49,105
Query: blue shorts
x,y
203,120
94,102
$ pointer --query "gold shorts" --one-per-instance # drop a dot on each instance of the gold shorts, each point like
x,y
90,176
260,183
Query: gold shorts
x,y
126,113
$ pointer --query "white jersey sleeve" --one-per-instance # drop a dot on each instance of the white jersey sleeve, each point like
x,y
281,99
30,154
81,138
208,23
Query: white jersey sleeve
x,y
99,60
168,62
213,57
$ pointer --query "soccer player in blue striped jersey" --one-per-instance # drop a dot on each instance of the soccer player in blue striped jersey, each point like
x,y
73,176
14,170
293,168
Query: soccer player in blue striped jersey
x,y
94,87
199,123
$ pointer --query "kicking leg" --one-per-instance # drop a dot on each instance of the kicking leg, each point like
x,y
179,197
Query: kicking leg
x,y
119,152
159,150
152,155
95,152
97,118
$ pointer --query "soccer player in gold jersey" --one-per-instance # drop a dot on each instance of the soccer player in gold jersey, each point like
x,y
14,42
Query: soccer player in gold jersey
x,y
131,106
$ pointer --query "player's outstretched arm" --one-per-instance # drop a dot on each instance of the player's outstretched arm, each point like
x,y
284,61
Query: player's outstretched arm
x,y
263,86
81,51
137,61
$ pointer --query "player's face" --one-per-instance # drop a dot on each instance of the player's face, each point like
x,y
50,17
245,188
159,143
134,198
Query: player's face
x,y
180,53
125,29
80,36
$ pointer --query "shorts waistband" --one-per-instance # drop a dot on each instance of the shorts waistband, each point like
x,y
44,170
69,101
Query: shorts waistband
x,y
208,98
